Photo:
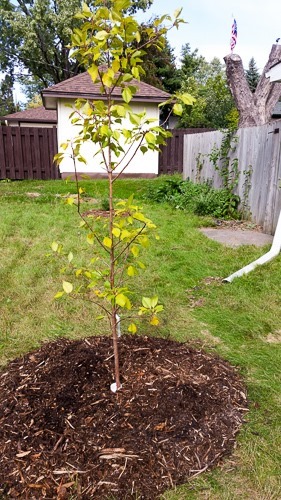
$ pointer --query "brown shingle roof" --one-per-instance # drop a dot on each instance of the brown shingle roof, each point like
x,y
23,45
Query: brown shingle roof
x,y
83,86
39,114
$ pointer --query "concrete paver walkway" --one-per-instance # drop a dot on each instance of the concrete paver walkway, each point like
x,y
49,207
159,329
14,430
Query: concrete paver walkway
x,y
237,237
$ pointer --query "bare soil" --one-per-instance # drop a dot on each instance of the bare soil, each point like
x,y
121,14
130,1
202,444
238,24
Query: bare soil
x,y
65,435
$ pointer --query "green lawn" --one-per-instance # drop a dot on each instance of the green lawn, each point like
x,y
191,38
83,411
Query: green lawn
x,y
240,321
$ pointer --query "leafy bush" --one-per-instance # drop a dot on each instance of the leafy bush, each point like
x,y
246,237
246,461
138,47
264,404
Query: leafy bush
x,y
201,199
164,188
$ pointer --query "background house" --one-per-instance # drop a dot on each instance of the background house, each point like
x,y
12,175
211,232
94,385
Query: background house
x,y
62,97
33,117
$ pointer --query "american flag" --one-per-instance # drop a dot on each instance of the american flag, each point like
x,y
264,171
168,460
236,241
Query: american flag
x,y
233,35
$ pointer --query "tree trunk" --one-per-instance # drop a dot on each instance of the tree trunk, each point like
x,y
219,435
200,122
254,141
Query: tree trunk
x,y
254,108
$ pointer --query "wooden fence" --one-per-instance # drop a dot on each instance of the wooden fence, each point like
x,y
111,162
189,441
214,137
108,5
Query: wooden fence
x,y
258,150
171,155
27,153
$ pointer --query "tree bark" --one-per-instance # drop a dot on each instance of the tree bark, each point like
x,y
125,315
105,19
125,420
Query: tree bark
x,y
254,108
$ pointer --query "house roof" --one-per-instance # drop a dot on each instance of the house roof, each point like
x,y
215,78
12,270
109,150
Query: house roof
x,y
38,115
82,86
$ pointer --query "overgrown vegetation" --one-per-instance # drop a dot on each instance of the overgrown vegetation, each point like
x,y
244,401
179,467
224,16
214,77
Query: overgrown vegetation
x,y
200,199
236,321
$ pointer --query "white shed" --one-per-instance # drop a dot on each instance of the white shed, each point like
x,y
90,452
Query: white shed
x,y
62,97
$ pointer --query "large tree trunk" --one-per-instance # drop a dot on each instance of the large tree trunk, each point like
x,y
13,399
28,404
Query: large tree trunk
x,y
254,108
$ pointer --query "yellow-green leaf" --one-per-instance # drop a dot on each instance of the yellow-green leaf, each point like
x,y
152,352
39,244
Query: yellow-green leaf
x,y
125,234
69,201
121,300
150,138
55,246
90,238
116,65
127,95
154,321
93,72
186,99
70,257
135,251
132,328
116,232
68,287
146,302
107,242
177,109
58,295
131,271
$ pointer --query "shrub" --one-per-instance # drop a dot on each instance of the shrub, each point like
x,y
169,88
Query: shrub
x,y
201,199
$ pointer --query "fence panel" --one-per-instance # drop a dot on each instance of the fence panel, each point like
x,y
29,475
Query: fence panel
x,y
258,149
171,155
27,153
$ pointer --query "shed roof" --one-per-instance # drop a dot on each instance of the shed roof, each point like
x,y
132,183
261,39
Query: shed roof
x,y
82,86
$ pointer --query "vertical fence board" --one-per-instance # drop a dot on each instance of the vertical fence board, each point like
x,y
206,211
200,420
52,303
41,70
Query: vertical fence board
x,y
3,164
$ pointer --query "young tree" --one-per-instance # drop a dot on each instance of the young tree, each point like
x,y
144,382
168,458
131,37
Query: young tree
x,y
252,75
117,133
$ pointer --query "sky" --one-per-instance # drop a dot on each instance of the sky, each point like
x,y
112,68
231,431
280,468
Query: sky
x,y
209,27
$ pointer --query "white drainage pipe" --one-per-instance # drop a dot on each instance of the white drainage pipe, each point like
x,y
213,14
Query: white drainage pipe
x,y
273,252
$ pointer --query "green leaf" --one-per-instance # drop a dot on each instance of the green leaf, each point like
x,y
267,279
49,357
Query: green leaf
x,y
68,287
127,95
58,295
100,317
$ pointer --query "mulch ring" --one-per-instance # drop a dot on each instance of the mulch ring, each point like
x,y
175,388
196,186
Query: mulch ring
x,y
64,434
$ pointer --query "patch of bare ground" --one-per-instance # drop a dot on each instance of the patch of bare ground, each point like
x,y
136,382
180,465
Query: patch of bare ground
x,y
64,434
274,338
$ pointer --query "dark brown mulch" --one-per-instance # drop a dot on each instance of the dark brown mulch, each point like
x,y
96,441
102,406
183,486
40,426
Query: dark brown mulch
x,y
64,434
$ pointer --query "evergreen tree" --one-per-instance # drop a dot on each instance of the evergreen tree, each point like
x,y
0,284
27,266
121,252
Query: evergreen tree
x,y
252,75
